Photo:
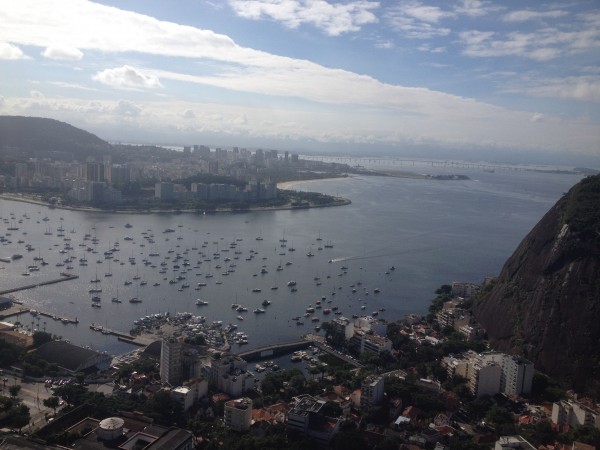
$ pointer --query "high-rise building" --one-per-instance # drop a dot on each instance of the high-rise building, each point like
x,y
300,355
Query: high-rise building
x,y
517,375
371,391
238,414
94,171
171,361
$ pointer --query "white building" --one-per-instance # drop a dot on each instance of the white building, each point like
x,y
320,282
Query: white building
x,y
190,393
238,414
573,414
229,374
370,342
513,442
485,378
171,361
516,373
372,390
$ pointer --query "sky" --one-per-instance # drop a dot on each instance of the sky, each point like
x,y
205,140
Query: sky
x,y
470,79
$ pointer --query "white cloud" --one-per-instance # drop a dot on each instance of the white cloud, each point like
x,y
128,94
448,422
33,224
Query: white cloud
x,y
525,15
189,114
10,51
63,53
62,84
2,101
580,88
539,45
384,44
127,108
416,21
537,117
127,77
332,18
36,94
476,8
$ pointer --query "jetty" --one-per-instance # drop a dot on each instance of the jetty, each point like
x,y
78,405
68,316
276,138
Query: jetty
x,y
64,277
141,341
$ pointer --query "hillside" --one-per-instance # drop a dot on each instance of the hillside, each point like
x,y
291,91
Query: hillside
x,y
23,137
545,304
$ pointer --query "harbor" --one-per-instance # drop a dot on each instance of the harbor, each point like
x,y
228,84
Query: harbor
x,y
234,269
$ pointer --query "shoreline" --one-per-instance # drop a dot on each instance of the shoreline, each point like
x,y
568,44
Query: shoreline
x,y
339,201
286,185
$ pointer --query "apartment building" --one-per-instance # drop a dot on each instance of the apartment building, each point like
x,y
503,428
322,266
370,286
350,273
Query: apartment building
x,y
238,414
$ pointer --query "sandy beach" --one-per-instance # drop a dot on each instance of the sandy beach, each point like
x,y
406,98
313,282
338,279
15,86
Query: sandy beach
x,y
289,184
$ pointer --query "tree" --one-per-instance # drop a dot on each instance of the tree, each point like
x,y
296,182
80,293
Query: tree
x,y
51,402
14,390
498,415
19,416
40,338
73,394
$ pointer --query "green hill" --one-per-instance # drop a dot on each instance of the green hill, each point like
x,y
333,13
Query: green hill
x,y
25,137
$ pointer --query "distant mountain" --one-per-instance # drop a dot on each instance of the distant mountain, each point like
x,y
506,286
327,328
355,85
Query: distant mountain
x,y
38,137
545,304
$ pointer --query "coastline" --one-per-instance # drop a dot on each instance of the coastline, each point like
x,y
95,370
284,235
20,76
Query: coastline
x,y
339,201
286,185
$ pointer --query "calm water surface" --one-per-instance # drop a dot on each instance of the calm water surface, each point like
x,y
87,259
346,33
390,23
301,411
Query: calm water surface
x,y
431,232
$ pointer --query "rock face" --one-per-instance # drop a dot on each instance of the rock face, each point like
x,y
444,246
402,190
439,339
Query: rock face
x,y
545,304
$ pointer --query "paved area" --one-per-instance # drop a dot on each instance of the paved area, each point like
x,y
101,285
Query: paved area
x,y
32,395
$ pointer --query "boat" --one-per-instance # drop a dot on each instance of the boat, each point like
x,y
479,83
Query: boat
x,y
258,311
291,283
256,290
116,300
266,303
201,302
95,298
240,318
134,300
96,305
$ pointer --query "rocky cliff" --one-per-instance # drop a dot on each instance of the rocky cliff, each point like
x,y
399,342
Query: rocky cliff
x,y
545,304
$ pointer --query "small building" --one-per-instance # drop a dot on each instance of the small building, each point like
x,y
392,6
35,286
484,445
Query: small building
x,y
513,442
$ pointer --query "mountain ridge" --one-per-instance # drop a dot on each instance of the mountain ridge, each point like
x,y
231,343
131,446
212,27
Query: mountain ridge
x,y
38,137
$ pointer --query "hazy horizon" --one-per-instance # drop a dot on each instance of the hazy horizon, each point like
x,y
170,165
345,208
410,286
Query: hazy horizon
x,y
475,80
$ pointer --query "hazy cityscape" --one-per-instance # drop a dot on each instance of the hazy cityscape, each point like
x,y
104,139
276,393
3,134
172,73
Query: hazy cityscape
x,y
270,224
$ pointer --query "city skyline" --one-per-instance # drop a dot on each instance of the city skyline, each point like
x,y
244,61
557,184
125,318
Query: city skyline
x,y
470,79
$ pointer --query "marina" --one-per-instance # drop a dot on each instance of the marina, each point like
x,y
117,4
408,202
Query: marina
x,y
202,264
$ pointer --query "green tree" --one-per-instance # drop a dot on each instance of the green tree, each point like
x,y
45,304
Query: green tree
x,y
19,416
73,394
51,402
498,415
14,390
40,338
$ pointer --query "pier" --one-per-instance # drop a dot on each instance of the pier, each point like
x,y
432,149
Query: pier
x,y
141,341
64,277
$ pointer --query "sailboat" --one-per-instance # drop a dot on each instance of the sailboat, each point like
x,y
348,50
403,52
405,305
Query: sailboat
x,y
116,298
109,273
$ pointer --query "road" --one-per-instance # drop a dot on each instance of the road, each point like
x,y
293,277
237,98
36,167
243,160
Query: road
x,y
32,395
